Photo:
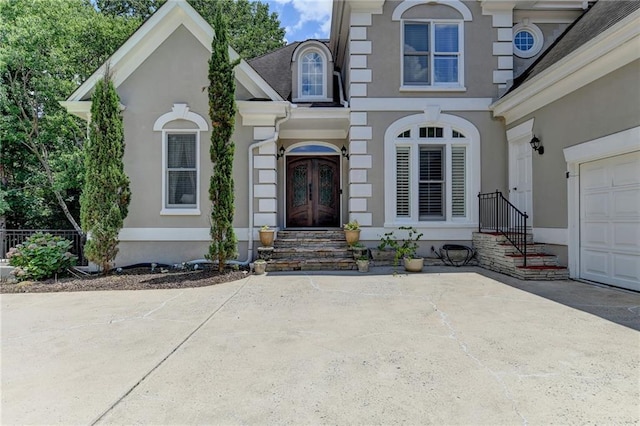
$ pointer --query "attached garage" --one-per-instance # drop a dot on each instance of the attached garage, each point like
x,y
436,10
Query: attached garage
x,y
604,209
610,220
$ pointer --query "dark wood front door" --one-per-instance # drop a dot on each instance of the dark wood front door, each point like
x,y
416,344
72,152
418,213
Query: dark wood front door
x,y
313,188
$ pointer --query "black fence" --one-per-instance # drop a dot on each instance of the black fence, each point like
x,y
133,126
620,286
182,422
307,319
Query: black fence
x,y
13,237
497,214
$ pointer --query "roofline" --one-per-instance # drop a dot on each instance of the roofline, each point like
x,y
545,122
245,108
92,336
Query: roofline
x,y
605,53
153,32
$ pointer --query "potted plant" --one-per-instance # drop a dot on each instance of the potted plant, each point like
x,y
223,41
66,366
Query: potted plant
x,y
266,236
359,250
406,250
259,266
363,264
352,232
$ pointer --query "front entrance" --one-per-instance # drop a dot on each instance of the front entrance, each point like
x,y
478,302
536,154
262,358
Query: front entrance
x,y
313,191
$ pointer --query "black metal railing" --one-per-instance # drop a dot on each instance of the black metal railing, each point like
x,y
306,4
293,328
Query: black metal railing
x,y
497,214
13,237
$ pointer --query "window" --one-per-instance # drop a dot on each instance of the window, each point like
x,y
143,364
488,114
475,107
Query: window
x,y
312,76
432,54
527,40
430,174
180,187
181,171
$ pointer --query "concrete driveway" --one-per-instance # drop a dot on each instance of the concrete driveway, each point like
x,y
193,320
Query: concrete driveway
x,y
451,346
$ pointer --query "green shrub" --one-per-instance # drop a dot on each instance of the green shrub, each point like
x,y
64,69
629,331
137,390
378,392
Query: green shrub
x,y
41,256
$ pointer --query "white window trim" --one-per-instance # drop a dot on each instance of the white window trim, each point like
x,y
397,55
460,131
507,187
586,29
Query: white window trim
x,y
538,40
472,144
325,65
180,112
439,87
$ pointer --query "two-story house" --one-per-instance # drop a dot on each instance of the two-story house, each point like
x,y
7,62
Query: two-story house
x,y
409,111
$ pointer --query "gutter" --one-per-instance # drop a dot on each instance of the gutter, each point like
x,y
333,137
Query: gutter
x,y
250,153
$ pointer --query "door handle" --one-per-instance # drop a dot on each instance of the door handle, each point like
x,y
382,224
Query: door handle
x,y
310,192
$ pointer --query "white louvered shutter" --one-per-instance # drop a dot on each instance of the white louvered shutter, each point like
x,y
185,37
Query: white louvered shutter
x,y
403,181
458,180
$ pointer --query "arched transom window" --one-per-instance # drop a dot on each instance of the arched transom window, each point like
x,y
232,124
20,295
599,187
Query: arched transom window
x,y
432,171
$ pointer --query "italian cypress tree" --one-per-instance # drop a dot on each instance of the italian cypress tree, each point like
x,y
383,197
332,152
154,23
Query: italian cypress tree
x,y
105,197
222,110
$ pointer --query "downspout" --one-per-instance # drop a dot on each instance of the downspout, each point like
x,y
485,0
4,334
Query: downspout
x,y
343,102
251,148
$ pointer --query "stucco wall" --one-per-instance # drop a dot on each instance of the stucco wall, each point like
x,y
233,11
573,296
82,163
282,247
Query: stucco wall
x,y
493,154
175,73
606,106
386,56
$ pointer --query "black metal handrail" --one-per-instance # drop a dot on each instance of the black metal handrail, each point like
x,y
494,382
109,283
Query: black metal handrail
x,y
497,214
12,237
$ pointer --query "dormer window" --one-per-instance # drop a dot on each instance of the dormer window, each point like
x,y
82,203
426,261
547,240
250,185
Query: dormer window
x,y
311,67
312,75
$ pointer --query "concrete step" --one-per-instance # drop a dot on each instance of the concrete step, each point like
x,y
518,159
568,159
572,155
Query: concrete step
x,y
534,259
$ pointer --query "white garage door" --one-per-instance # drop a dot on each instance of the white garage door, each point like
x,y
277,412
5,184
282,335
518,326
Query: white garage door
x,y
610,220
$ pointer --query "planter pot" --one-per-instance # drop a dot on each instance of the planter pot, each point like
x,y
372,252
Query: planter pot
x,y
259,268
360,252
266,238
383,255
413,265
363,265
352,237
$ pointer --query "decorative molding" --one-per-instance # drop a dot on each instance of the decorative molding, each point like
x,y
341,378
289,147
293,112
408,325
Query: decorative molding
x,y
361,132
432,113
360,47
180,112
520,131
419,104
360,161
408,4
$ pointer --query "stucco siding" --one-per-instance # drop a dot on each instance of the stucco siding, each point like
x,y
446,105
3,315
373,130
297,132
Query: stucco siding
x,y
603,107
175,73
386,55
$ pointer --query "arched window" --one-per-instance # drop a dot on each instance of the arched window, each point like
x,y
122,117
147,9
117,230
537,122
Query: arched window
x,y
312,75
432,170
181,130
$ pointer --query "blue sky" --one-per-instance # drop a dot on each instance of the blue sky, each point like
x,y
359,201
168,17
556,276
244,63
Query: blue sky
x,y
303,19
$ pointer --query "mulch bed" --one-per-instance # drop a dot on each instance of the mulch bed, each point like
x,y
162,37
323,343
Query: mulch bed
x,y
128,279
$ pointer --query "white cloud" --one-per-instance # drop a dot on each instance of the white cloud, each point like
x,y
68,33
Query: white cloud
x,y
312,11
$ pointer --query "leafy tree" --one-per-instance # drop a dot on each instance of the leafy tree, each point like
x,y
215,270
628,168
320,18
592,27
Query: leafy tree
x,y
105,198
222,111
253,30
47,48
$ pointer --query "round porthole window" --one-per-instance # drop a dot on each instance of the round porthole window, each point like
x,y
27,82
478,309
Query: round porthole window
x,y
527,40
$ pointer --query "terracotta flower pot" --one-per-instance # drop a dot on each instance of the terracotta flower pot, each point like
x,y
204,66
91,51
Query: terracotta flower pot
x,y
352,237
267,237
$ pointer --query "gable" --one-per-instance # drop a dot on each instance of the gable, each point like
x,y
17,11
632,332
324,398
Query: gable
x,y
160,26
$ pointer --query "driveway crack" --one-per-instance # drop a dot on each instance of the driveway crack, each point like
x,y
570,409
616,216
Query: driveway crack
x,y
162,361
444,319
